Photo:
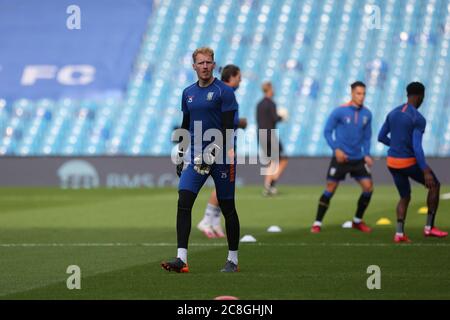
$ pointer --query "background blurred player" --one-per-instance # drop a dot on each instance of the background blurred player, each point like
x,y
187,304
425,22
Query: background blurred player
x,y
210,224
406,159
267,118
212,104
351,125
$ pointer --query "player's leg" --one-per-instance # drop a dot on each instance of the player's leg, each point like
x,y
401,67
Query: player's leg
x,y
224,179
210,224
361,173
282,164
269,178
336,173
363,202
216,217
403,186
432,202
189,185
324,203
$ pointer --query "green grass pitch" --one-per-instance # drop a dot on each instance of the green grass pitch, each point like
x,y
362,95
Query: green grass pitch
x,y
119,237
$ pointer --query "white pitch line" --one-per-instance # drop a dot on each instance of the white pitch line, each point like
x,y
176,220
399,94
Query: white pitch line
x,y
262,244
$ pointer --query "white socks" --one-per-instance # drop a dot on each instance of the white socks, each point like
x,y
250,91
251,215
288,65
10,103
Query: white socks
x,y
357,220
212,215
233,257
182,254
317,223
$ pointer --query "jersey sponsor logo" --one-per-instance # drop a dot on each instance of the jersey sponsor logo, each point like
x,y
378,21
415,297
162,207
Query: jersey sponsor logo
x,y
332,171
210,96
190,99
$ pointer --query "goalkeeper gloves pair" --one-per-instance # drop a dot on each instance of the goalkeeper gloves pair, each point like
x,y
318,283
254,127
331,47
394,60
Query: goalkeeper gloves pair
x,y
202,162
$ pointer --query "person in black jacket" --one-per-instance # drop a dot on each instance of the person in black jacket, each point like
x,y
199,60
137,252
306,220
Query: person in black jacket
x,y
267,119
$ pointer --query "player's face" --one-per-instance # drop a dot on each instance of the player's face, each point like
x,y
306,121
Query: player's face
x,y
420,100
358,95
204,66
236,80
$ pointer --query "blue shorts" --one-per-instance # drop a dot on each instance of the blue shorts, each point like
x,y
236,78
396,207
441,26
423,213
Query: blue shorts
x,y
401,178
224,176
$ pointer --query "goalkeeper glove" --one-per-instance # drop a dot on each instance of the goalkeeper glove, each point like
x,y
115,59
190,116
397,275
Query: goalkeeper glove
x,y
204,168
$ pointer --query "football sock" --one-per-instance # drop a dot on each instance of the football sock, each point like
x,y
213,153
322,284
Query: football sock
x,y
233,256
324,203
400,227
182,254
273,183
363,203
210,214
430,219
357,220
185,203
231,223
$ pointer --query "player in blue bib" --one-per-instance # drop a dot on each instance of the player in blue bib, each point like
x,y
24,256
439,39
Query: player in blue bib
x,y
207,104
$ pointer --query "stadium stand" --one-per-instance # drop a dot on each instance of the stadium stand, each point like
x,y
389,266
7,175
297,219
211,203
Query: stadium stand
x,y
310,49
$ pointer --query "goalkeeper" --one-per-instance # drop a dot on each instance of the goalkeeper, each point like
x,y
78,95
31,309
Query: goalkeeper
x,y
211,104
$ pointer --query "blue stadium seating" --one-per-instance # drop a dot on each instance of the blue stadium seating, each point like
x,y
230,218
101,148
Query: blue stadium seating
x,y
310,49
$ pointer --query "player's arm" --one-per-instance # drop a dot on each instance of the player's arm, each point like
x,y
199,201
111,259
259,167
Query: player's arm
x,y
329,129
182,147
242,123
330,126
383,134
366,143
273,113
418,150
229,108
228,132
186,121
420,157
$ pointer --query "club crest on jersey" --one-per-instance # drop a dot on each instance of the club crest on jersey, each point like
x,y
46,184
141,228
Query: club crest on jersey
x,y
365,119
190,99
210,95
348,119
332,171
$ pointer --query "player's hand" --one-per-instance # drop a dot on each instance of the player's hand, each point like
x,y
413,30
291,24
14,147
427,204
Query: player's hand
x,y
429,179
200,167
242,123
203,166
341,157
368,160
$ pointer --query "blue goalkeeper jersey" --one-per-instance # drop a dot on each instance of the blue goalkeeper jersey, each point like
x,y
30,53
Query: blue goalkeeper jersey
x,y
352,128
205,106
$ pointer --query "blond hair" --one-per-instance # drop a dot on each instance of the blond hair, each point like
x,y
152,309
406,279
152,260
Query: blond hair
x,y
203,50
